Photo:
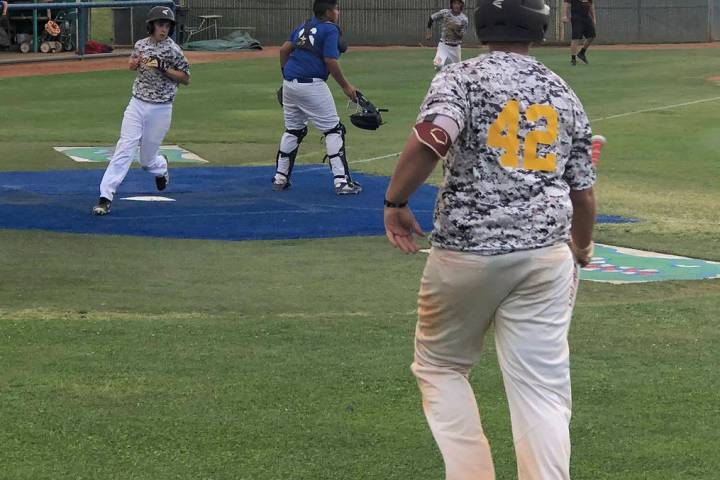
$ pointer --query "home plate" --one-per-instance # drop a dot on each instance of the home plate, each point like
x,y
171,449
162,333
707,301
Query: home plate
x,y
149,199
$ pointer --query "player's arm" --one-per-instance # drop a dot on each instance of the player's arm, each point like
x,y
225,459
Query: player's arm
x,y
333,67
178,76
583,220
4,7
565,6
285,50
592,12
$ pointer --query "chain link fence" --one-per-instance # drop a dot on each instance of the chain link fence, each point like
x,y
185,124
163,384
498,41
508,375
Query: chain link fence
x,y
402,22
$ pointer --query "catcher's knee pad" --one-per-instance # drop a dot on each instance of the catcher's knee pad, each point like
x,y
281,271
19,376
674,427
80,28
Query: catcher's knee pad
x,y
335,144
289,146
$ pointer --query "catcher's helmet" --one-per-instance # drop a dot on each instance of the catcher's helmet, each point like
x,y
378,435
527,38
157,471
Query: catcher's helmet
x,y
160,13
522,21
367,116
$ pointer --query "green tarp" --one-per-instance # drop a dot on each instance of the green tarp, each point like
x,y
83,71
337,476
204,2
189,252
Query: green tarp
x,y
232,42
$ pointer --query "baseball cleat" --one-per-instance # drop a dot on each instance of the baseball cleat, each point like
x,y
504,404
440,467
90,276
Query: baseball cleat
x,y
348,188
582,57
573,62
280,185
102,207
162,181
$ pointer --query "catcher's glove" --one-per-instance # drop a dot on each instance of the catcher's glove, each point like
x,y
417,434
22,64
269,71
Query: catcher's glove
x,y
52,28
280,95
367,115
155,62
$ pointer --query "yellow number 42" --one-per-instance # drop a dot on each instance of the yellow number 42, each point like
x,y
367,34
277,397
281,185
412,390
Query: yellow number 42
x,y
509,122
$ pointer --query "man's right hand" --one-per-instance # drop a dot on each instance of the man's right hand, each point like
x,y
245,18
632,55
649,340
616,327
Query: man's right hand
x,y
566,19
351,92
134,62
428,35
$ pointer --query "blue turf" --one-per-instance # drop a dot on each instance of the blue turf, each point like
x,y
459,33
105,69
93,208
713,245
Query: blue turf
x,y
221,203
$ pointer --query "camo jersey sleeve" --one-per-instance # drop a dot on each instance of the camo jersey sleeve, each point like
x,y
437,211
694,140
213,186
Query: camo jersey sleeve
x,y
150,84
523,145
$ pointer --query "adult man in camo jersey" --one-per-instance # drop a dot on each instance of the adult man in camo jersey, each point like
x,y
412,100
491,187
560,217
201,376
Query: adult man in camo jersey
x,y
513,219
161,66
454,26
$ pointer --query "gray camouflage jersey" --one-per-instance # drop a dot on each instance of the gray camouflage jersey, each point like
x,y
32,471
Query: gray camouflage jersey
x,y
453,26
524,143
150,84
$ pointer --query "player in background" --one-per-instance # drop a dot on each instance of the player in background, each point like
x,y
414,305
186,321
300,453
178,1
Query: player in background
x,y
307,59
454,25
583,20
513,221
161,66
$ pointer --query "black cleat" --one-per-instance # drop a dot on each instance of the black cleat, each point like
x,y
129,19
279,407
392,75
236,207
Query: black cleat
x,y
582,57
573,62
102,207
162,181
348,188
280,185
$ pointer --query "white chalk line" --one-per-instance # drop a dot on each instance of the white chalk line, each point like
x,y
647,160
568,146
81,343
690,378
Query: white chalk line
x,y
655,109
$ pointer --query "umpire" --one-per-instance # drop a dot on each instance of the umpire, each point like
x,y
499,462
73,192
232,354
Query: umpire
x,y
513,220
582,18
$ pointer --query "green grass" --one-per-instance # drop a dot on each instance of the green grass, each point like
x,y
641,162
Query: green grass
x,y
154,359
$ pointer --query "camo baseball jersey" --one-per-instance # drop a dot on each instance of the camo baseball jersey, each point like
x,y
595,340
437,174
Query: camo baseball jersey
x,y
150,84
453,26
524,143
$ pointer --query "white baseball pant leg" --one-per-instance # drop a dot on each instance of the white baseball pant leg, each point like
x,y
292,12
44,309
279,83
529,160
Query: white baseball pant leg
x,y
529,296
313,102
144,124
447,54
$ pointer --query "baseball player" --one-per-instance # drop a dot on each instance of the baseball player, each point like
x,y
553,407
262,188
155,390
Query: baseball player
x,y
454,26
307,59
160,66
582,18
513,220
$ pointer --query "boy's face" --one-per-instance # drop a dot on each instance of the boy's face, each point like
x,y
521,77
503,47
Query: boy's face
x,y
457,7
162,30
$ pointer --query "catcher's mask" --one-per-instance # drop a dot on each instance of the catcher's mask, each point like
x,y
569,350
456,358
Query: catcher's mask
x,y
366,116
160,13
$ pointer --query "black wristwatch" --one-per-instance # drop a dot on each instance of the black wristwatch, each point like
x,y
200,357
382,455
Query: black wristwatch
x,y
390,204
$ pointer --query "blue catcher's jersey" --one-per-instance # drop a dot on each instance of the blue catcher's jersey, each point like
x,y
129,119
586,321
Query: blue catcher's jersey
x,y
309,62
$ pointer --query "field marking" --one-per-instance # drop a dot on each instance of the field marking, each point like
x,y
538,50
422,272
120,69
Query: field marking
x,y
655,109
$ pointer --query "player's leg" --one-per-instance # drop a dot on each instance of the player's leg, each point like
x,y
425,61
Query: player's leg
x,y
295,131
130,134
455,54
459,293
589,34
577,27
156,124
322,112
441,56
531,328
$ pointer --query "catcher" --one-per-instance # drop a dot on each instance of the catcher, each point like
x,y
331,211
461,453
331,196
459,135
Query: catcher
x,y
307,59
454,26
161,66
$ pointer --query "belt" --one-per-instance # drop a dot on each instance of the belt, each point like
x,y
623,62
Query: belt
x,y
305,80
451,44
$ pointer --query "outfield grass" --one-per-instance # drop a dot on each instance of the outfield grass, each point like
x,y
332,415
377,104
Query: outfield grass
x,y
161,359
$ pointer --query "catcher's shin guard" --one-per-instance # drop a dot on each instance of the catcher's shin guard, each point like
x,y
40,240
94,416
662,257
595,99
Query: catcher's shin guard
x,y
335,145
285,161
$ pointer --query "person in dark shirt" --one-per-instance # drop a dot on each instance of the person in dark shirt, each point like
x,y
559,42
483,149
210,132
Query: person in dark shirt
x,y
583,20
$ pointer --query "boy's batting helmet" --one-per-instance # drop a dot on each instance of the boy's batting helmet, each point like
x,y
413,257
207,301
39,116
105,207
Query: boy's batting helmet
x,y
160,13
522,21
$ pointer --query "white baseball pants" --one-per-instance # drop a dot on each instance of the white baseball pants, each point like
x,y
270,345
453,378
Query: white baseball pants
x,y
143,124
529,297
447,54
313,102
